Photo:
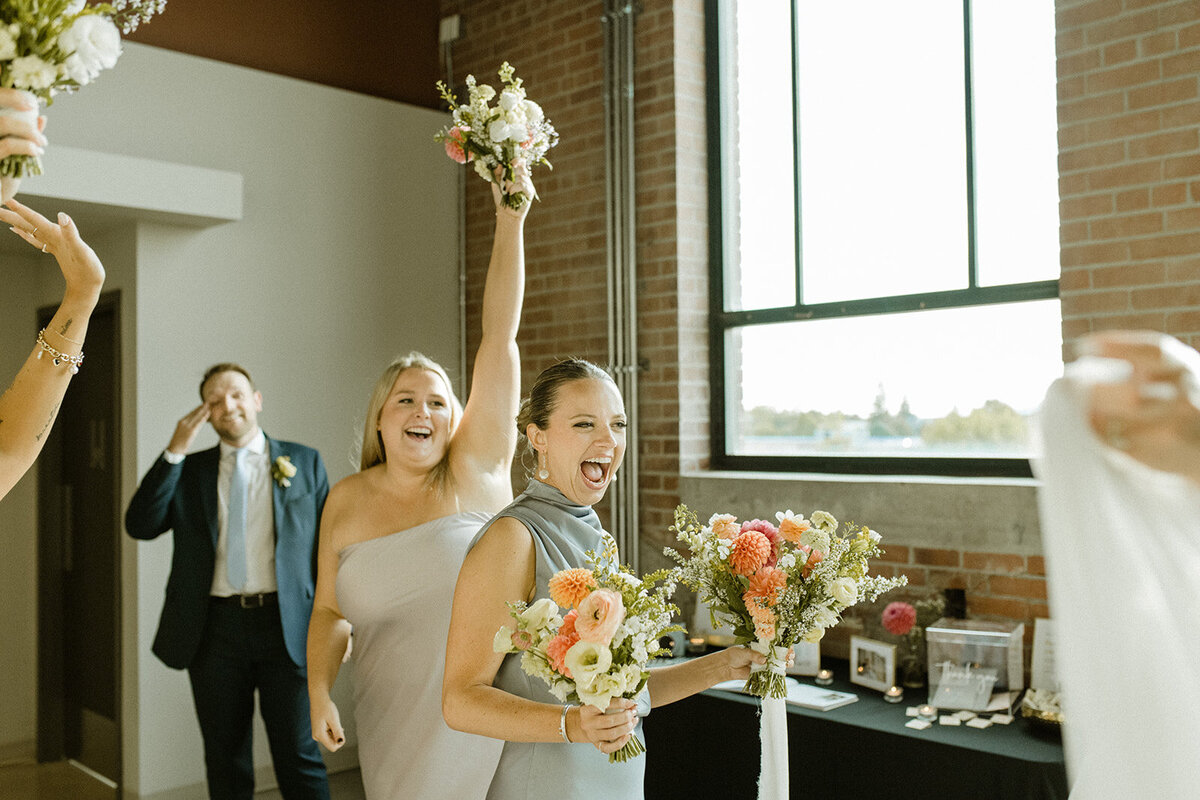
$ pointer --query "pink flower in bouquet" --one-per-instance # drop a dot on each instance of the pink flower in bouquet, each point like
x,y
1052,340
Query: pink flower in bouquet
x,y
522,640
749,551
768,530
455,145
899,617
764,618
599,615
568,587
766,583
556,651
724,526
814,557
568,626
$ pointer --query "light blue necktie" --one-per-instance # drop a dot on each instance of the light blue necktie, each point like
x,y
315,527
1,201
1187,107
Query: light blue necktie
x,y
235,528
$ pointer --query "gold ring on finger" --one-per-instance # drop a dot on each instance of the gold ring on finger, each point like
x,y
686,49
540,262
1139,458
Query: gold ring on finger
x,y
34,231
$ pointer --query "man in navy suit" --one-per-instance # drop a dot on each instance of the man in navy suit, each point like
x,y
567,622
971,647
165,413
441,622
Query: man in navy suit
x,y
245,516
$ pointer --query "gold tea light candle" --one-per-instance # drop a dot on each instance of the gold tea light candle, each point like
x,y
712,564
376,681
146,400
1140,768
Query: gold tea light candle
x,y
824,677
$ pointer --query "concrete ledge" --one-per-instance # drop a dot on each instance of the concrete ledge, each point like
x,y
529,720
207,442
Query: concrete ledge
x,y
119,186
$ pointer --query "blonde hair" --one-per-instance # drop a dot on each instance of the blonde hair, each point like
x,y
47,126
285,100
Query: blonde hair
x,y
373,452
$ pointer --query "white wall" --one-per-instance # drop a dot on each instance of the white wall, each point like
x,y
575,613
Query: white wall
x,y
345,256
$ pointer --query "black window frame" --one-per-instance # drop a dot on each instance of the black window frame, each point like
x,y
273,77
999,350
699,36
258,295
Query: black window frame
x,y
721,321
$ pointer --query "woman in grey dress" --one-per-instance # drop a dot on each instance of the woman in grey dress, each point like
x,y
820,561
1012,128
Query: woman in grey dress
x,y
574,422
392,538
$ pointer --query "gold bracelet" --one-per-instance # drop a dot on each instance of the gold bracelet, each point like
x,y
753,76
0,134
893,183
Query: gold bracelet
x,y
75,362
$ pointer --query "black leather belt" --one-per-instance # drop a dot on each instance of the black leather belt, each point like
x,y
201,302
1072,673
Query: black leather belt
x,y
248,600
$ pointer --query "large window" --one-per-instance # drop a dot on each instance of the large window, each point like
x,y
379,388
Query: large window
x,y
884,233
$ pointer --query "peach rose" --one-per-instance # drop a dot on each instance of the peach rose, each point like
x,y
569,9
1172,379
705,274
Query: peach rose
x,y
454,145
724,526
599,615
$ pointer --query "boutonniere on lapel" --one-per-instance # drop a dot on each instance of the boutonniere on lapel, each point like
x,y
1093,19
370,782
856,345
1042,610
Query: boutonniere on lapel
x,y
283,471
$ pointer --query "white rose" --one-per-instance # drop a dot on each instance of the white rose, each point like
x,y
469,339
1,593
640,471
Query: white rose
x,y
826,617
502,643
538,614
600,691
845,591
8,42
824,520
533,112
30,72
508,100
586,660
499,130
813,636
94,43
817,539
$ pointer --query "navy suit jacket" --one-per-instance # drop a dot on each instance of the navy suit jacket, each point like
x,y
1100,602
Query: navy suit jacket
x,y
183,498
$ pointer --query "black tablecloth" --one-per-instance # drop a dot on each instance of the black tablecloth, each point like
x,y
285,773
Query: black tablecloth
x,y
707,746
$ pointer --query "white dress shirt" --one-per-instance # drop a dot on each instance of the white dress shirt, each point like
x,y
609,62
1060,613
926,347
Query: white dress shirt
x,y
260,520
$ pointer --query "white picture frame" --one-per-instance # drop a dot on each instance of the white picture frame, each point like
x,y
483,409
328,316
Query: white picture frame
x,y
872,663
808,659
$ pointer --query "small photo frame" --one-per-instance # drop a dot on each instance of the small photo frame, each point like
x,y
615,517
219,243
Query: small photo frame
x,y
808,659
872,663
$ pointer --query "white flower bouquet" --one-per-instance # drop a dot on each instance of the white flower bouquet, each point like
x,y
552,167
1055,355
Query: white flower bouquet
x,y
504,140
599,649
51,46
776,586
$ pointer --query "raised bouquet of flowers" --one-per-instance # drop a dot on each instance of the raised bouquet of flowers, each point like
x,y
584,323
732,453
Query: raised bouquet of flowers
x,y
51,46
777,585
599,648
503,140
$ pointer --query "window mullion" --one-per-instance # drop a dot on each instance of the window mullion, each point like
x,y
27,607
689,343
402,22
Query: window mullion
x,y
969,114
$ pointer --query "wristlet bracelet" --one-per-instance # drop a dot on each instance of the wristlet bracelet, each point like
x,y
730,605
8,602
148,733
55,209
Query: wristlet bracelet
x,y
59,357
562,723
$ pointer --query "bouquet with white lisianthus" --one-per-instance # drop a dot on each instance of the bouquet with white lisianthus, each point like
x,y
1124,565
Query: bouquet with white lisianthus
x,y
504,140
51,46
598,649
777,585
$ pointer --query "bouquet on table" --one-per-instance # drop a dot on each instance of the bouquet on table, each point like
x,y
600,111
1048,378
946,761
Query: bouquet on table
x,y
504,140
777,585
599,648
51,46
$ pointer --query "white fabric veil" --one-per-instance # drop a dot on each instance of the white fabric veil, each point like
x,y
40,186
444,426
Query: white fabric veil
x,y
1122,545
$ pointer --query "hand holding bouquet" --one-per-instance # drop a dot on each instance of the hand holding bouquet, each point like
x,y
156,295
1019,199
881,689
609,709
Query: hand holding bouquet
x,y
777,585
50,46
505,140
598,650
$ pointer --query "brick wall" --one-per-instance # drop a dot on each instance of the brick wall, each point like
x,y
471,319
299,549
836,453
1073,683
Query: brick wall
x,y
1129,165
1129,105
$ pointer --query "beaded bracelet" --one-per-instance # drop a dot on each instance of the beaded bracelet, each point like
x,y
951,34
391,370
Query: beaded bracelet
x,y
59,357
562,724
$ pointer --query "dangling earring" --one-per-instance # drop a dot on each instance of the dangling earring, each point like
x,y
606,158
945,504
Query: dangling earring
x,y
543,473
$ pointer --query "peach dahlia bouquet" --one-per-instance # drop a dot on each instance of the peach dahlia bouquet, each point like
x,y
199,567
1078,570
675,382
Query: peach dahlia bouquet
x,y
591,639
776,585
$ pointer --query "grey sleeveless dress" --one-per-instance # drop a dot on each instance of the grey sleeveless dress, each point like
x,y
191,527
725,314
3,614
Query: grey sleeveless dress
x,y
397,591
562,531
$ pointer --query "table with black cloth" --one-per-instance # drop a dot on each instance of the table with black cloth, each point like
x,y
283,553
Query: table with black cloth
x,y
707,746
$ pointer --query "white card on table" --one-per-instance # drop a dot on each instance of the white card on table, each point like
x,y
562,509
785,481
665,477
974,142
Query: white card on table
x,y
918,724
1002,719
949,719
979,722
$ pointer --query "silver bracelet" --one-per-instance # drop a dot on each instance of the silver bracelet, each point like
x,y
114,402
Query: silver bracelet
x,y
562,723
59,357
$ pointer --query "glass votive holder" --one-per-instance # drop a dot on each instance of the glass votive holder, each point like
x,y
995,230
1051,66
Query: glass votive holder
x,y
824,677
893,694
927,712
695,646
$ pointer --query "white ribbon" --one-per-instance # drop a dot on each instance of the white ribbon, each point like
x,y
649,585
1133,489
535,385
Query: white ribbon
x,y
773,771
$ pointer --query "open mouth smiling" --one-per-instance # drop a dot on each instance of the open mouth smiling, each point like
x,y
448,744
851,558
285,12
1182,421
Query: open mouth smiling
x,y
419,432
595,471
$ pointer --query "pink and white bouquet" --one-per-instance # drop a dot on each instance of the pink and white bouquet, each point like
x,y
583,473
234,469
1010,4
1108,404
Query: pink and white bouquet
x,y
504,140
598,649
51,46
777,585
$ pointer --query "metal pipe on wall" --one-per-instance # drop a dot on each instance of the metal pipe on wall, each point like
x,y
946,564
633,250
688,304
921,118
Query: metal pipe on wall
x,y
621,221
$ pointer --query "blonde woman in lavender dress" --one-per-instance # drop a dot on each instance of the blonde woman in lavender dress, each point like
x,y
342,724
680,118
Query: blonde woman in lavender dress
x,y
392,540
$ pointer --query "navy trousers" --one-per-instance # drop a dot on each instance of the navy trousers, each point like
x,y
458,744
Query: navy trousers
x,y
243,652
